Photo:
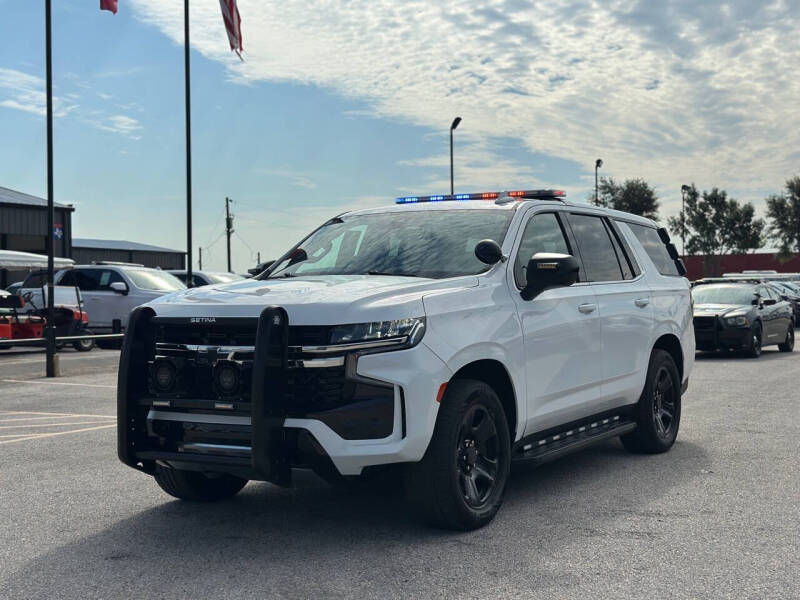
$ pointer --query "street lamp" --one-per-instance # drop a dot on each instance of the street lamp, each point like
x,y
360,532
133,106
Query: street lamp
x,y
597,164
684,190
453,126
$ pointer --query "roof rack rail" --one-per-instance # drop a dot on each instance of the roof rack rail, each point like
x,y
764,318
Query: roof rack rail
x,y
115,263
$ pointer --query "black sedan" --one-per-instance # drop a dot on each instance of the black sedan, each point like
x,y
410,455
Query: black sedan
x,y
741,317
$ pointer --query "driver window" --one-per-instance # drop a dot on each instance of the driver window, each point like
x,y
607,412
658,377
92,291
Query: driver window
x,y
543,233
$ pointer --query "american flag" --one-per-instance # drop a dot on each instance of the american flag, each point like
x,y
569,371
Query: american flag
x,y
109,5
233,24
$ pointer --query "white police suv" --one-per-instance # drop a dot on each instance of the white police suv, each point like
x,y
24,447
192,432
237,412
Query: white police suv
x,y
444,336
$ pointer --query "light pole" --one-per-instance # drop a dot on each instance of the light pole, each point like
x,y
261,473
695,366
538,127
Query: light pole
x,y
684,189
597,164
455,123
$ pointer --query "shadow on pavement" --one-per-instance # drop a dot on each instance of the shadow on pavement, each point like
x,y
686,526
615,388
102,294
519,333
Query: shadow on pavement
x,y
317,541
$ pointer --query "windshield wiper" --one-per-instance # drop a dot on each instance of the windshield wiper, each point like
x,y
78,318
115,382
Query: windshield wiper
x,y
392,274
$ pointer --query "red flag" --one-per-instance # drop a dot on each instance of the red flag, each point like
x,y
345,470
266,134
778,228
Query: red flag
x,y
109,5
233,24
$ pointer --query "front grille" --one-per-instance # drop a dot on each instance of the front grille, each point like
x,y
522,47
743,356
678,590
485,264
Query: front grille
x,y
705,323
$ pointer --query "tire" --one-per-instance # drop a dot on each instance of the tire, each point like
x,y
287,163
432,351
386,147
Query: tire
x,y
84,345
193,485
788,343
658,412
460,482
756,337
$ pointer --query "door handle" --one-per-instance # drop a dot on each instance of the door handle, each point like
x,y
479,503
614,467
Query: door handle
x,y
587,308
641,302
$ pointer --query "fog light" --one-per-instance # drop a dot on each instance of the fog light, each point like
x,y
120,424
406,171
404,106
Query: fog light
x,y
227,378
164,375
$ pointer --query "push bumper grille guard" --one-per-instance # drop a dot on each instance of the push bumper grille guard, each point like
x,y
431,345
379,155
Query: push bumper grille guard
x,y
269,451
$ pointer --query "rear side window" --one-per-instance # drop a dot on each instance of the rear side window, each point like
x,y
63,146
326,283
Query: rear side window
x,y
597,252
630,268
655,248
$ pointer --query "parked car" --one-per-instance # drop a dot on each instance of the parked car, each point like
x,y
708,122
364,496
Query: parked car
x,y
206,277
111,291
790,293
436,340
741,316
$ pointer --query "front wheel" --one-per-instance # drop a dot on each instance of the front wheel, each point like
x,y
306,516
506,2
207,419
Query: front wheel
x,y
788,341
755,341
658,412
460,482
84,345
193,485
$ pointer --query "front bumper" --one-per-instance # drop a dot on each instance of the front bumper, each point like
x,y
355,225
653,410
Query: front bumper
x,y
388,417
711,334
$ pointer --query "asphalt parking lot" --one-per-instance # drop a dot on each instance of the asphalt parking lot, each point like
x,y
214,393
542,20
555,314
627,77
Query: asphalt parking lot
x,y
717,517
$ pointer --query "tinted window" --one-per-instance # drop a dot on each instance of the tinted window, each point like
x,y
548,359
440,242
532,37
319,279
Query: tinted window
x,y
723,294
35,279
626,257
655,248
597,252
543,233
415,243
90,280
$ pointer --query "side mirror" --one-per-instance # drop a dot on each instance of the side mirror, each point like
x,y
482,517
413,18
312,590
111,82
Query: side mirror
x,y
120,287
546,270
488,252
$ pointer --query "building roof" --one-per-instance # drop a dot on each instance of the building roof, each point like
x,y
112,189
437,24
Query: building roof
x,y
120,245
8,196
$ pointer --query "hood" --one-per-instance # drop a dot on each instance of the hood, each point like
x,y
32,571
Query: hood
x,y
719,310
315,300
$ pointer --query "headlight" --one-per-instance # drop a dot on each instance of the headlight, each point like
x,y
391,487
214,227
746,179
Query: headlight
x,y
401,331
740,321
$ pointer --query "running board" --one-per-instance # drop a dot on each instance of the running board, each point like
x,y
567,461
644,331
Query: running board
x,y
577,438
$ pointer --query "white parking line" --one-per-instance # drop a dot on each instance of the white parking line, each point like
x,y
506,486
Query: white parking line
x,y
50,418
53,414
92,385
47,435
63,358
50,424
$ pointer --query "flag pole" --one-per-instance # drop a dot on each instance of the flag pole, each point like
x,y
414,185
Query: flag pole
x,y
188,144
51,369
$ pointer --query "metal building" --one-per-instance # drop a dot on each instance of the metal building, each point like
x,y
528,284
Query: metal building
x,y
85,251
23,227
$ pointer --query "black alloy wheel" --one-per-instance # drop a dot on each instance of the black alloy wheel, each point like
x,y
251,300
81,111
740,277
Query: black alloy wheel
x,y
664,402
460,482
477,456
658,412
788,341
755,341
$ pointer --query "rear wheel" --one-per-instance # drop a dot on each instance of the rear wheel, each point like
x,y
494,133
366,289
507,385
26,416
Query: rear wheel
x,y
788,342
460,482
658,413
193,485
84,345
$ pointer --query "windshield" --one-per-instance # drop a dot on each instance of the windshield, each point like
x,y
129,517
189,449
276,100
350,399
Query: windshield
x,y
723,294
157,281
223,277
416,243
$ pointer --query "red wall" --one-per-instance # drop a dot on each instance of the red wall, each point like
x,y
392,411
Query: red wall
x,y
735,263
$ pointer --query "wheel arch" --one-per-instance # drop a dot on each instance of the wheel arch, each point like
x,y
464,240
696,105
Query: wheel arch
x,y
670,343
494,374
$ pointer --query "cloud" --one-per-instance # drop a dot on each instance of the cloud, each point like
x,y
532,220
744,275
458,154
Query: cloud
x,y
21,91
120,124
296,178
671,91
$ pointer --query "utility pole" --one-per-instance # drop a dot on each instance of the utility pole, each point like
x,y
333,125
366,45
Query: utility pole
x,y
51,360
597,164
453,126
258,258
188,89
200,257
228,229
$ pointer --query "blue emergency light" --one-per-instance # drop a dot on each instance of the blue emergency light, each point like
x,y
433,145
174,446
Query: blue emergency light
x,y
516,194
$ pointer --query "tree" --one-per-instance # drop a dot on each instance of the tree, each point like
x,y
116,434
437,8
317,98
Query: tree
x,y
716,225
633,196
784,215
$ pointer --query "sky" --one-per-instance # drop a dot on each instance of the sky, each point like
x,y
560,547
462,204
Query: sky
x,y
346,104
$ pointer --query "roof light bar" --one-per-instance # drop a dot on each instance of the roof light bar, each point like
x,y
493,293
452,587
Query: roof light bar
x,y
516,194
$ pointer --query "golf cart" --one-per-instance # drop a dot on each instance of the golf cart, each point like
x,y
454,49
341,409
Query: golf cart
x,y
24,316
